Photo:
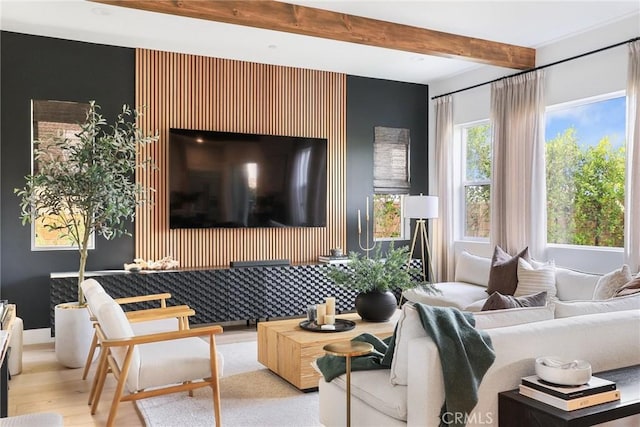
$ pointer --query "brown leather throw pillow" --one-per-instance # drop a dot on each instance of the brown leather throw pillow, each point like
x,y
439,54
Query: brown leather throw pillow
x,y
503,276
498,302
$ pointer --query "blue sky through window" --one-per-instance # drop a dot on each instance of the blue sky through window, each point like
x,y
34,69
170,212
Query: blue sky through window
x,y
592,121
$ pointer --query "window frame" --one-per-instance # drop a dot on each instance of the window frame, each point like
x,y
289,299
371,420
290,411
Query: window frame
x,y
405,229
461,137
63,247
394,181
570,104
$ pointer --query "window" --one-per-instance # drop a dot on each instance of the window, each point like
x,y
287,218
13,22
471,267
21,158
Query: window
x,y
390,182
476,180
51,121
585,161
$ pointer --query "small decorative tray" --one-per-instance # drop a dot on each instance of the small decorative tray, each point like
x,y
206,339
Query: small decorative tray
x,y
341,325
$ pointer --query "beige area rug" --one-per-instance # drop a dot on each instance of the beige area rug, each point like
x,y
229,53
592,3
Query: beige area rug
x,y
251,395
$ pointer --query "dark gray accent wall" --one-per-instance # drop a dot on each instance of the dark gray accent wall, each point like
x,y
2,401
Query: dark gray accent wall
x,y
370,103
46,68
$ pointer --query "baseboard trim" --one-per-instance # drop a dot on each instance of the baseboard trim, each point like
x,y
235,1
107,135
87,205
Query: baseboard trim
x,y
37,336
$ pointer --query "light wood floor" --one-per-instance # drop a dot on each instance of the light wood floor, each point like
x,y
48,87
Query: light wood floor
x,y
46,386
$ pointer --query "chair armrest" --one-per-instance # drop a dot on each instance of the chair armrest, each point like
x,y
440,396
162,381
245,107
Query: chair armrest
x,y
141,298
160,313
163,336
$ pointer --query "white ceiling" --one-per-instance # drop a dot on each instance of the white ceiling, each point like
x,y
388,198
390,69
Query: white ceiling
x,y
525,23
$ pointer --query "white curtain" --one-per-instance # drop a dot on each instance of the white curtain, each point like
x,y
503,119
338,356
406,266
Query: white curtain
x,y
632,201
443,251
518,182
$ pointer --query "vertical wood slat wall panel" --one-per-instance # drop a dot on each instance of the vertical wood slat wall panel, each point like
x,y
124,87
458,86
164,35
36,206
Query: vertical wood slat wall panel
x,y
194,92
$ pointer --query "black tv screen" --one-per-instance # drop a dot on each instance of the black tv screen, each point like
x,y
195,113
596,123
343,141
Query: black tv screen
x,y
231,180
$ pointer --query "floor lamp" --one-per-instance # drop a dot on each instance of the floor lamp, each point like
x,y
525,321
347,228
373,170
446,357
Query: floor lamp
x,y
421,208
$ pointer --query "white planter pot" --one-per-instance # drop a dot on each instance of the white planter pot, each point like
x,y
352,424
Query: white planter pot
x,y
74,332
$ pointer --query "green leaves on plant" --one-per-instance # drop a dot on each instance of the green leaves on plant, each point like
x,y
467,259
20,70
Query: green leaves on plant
x,y
378,273
88,183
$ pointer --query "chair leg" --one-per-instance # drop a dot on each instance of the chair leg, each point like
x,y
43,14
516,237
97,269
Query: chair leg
x,y
92,350
189,392
102,365
215,384
101,375
116,401
122,381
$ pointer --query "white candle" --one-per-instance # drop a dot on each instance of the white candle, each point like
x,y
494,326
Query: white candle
x,y
367,217
329,319
359,225
331,306
321,313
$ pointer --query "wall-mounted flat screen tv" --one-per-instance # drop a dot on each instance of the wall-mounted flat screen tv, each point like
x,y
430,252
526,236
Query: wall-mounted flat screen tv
x,y
233,180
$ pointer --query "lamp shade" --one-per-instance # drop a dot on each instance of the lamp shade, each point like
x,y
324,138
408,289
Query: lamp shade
x,y
421,207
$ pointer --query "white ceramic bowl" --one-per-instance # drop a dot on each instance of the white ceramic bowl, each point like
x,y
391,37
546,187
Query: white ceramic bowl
x,y
563,372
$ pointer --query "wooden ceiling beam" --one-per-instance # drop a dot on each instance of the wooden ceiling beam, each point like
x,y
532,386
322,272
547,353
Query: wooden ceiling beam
x,y
290,18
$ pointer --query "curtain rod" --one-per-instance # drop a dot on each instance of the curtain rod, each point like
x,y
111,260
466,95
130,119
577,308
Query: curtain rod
x,y
539,68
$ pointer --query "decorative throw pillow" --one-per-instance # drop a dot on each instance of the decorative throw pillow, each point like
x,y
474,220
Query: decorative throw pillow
x,y
631,287
532,280
503,276
609,284
497,301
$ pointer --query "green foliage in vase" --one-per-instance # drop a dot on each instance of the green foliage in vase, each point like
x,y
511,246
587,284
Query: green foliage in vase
x,y
87,184
378,273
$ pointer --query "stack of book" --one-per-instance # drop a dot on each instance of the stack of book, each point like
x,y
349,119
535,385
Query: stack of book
x,y
333,259
569,398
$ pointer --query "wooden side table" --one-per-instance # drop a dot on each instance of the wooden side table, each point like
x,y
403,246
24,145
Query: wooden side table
x,y
516,409
348,349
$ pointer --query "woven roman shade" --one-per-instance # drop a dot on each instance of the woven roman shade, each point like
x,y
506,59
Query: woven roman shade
x,y
391,160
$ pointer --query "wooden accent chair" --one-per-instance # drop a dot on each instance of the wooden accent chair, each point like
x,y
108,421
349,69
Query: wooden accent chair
x,y
147,321
152,364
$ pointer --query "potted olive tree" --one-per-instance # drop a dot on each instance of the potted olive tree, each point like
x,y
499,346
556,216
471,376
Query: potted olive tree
x,y
375,277
85,185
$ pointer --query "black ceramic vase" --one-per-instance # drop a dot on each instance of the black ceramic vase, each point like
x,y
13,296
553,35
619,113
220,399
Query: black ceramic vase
x,y
376,306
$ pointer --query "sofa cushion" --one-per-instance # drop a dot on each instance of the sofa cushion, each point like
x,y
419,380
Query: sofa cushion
x,y
579,308
374,388
408,328
503,276
631,287
512,316
497,301
609,284
173,362
575,285
532,280
472,269
453,294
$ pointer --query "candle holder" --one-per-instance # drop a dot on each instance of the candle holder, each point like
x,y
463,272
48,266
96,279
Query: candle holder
x,y
366,248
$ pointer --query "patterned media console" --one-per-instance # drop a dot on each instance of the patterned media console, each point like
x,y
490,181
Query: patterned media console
x,y
221,294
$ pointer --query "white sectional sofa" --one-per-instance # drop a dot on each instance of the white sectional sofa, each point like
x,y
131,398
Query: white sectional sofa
x,y
379,397
571,326
468,291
